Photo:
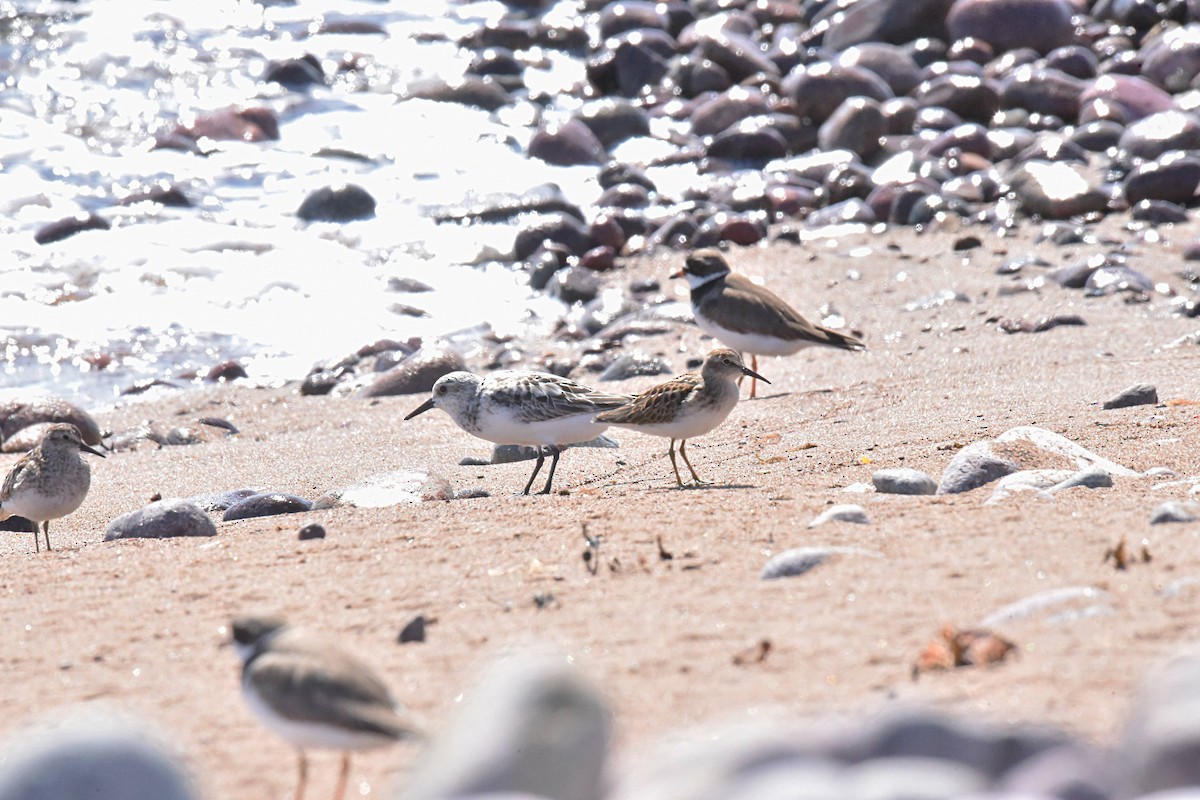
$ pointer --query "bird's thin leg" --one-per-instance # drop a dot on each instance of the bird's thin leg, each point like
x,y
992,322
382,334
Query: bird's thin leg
x,y
343,777
686,460
536,469
557,451
46,531
37,543
302,780
674,466
753,380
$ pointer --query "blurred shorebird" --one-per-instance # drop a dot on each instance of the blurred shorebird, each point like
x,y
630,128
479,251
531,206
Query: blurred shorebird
x,y
314,695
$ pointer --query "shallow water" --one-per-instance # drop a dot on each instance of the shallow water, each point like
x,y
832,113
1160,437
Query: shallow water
x,y
168,292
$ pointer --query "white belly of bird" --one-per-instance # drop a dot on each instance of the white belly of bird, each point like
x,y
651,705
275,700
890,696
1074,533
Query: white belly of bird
x,y
308,735
502,428
758,343
39,507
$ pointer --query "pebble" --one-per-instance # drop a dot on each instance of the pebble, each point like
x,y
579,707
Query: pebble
x,y
416,374
843,512
973,466
1175,511
220,501
312,530
343,203
798,561
1090,478
1139,394
903,480
413,631
1161,739
69,226
380,490
18,414
1079,598
160,520
266,504
634,365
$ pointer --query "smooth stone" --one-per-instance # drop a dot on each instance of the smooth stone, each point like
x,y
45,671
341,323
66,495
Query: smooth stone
x,y
530,726
94,755
628,15
1134,97
296,73
1139,394
469,90
1175,511
737,54
266,504
903,480
343,203
556,227
220,501
1091,478
413,631
895,21
1055,190
1160,746
613,120
69,226
1172,60
818,89
567,143
971,97
1028,480
849,211
634,365
1156,134
888,61
19,414
1079,598
161,520
633,64
1011,24
415,374
1097,136
546,198
575,284
1173,177
973,466
753,140
856,125
313,530
380,490
1050,442
800,560
727,109
1158,212
843,512
1041,90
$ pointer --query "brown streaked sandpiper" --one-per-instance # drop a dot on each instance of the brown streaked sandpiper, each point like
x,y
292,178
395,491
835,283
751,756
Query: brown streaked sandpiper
x,y
687,406
750,318
535,409
50,481
313,694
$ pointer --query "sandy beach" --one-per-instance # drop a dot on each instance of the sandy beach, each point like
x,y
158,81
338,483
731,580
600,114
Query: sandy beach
x,y
670,625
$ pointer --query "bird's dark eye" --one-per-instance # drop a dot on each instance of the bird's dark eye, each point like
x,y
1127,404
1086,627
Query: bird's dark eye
x,y
729,362
443,389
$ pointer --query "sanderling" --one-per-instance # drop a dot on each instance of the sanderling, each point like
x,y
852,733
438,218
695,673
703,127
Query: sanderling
x,y
313,694
688,406
528,408
50,481
748,317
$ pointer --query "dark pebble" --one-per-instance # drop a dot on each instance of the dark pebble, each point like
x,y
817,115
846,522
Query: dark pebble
x,y
18,414
634,365
337,204
266,505
296,73
69,226
1140,394
312,530
414,631
18,525
160,520
225,371
415,374
567,143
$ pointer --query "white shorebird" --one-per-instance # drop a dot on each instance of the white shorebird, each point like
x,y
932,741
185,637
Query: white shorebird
x,y
688,406
314,695
50,481
535,409
750,318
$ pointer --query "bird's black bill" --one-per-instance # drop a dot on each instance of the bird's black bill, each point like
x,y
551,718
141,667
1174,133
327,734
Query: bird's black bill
x,y
679,273
421,409
91,450
754,374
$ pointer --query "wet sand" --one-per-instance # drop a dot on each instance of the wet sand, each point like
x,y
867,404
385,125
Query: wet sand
x,y
139,625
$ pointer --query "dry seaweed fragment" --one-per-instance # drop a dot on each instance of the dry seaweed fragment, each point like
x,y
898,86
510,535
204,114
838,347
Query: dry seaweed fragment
x,y
971,647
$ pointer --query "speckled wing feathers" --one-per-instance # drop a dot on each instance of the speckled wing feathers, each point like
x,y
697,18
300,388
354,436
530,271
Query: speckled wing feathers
x,y
539,398
15,477
659,404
